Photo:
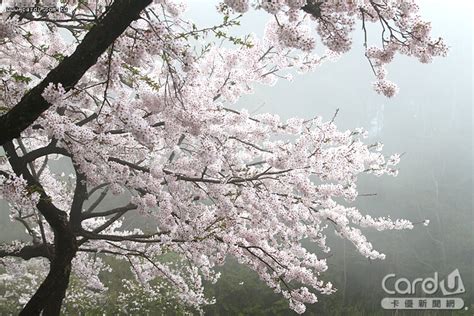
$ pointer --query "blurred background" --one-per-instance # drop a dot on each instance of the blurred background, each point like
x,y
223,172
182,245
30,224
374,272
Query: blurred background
x,y
430,121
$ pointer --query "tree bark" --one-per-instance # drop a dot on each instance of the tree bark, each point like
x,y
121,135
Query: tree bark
x,y
121,13
49,296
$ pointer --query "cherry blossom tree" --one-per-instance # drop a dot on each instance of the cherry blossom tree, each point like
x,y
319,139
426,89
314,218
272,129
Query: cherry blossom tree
x,y
142,104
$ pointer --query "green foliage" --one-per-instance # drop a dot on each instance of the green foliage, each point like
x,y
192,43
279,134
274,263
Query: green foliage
x,y
124,296
239,292
3,109
135,75
220,32
15,76
59,57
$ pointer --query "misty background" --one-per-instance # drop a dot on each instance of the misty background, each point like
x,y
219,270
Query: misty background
x,y
430,121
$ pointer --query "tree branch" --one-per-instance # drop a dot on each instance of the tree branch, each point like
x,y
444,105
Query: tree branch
x,y
313,7
125,208
44,151
72,68
28,252
139,238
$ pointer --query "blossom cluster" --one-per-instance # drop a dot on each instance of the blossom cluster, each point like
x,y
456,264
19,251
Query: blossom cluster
x,y
402,30
154,128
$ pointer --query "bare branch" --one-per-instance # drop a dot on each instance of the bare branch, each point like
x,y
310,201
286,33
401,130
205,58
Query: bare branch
x,y
27,252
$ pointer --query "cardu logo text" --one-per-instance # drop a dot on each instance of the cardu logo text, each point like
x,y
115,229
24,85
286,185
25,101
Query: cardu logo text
x,y
423,288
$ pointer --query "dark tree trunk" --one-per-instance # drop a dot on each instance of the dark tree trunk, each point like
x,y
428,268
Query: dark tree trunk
x,y
49,296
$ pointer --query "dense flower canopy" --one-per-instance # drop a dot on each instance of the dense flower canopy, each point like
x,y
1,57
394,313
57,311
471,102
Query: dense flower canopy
x,y
155,123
